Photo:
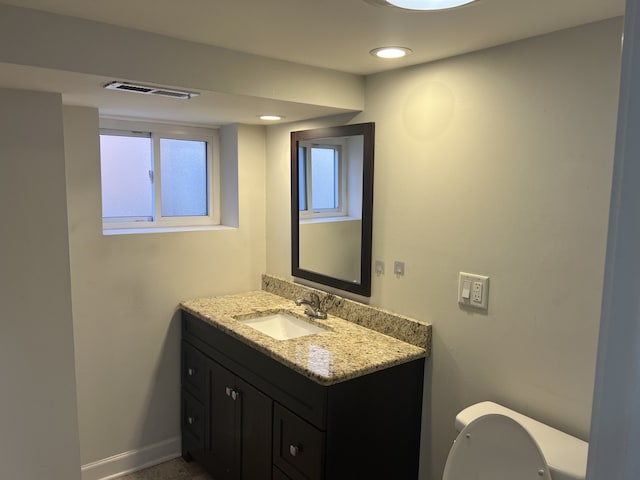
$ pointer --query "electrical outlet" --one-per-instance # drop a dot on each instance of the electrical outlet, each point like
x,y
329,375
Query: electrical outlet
x,y
476,295
473,290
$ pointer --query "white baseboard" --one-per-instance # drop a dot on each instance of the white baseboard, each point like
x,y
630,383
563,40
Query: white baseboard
x,y
133,460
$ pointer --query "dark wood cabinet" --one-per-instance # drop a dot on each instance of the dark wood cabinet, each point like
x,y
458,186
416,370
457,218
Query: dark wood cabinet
x,y
225,413
227,423
194,398
193,426
298,447
278,475
255,431
246,416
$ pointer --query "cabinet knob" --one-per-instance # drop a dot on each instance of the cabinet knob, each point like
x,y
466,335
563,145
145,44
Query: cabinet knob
x,y
191,420
232,392
191,372
294,450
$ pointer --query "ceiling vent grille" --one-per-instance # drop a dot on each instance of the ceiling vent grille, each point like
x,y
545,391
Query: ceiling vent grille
x,y
150,90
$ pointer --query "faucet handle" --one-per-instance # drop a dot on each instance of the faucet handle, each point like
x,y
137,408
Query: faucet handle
x,y
315,299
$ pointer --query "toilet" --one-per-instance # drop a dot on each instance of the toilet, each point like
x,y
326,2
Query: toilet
x,y
496,443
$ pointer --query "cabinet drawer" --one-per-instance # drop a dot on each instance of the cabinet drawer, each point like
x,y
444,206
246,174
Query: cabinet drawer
x,y
278,475
194,374
298,447
193,422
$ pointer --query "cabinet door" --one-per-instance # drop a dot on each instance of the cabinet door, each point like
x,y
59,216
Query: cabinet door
x,y
240,426
224,421
255,431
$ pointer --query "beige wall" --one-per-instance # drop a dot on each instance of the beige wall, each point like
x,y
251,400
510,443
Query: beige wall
x,y
498,163
38,422
126,289
331,248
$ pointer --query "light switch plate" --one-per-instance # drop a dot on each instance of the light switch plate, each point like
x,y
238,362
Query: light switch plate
x,y
398,268
473,290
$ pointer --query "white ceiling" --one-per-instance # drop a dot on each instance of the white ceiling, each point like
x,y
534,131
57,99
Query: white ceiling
x,y
334,34
338,34
208,109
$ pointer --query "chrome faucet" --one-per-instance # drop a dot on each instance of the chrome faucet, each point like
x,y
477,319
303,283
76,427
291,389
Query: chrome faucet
x,y
313,306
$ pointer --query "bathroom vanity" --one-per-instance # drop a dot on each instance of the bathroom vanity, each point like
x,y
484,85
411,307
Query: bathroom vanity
x,y
343,403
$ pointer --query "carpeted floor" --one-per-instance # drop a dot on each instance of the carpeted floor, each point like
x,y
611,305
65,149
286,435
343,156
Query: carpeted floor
x,y
176,469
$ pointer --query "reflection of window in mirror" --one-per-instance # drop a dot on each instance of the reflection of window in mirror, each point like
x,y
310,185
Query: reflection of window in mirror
x,y
330,177
322,180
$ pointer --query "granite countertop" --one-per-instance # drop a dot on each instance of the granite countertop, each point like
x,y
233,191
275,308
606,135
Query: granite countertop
x,y
345,350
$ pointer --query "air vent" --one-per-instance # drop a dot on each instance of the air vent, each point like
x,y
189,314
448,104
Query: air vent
x,y
150,90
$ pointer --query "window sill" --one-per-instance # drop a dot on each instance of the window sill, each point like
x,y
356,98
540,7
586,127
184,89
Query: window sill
x,y
146,230
328,219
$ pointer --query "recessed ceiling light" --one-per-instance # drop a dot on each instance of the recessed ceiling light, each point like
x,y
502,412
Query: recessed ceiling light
x,y
422,5
271,118
391,52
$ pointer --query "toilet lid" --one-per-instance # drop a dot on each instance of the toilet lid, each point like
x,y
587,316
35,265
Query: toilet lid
x,y
495,447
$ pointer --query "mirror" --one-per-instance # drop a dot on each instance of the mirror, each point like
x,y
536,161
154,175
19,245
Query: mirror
x,y
332,206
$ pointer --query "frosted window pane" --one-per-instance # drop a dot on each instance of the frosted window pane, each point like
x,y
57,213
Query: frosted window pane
x,y
183,166
323,178
126,187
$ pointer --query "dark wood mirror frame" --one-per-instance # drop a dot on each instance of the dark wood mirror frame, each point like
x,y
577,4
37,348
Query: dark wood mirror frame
x,y
367,130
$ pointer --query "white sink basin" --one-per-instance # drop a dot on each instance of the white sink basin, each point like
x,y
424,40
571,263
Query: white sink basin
x,y
282,326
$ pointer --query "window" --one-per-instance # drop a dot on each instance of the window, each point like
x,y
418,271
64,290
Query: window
x,y
322,180
158,176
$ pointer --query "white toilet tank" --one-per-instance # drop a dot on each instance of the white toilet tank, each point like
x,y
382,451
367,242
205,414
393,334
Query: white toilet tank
x,y
566,456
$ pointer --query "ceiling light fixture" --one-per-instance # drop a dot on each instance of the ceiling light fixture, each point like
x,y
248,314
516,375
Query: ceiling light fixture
x,y
271,118
391,52
422,5
429,4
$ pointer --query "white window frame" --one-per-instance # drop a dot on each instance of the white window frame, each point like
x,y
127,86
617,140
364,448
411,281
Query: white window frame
x,y
177,132
342,209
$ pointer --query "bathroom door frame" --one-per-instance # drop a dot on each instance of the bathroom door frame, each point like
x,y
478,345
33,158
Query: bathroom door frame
x,y
615,421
